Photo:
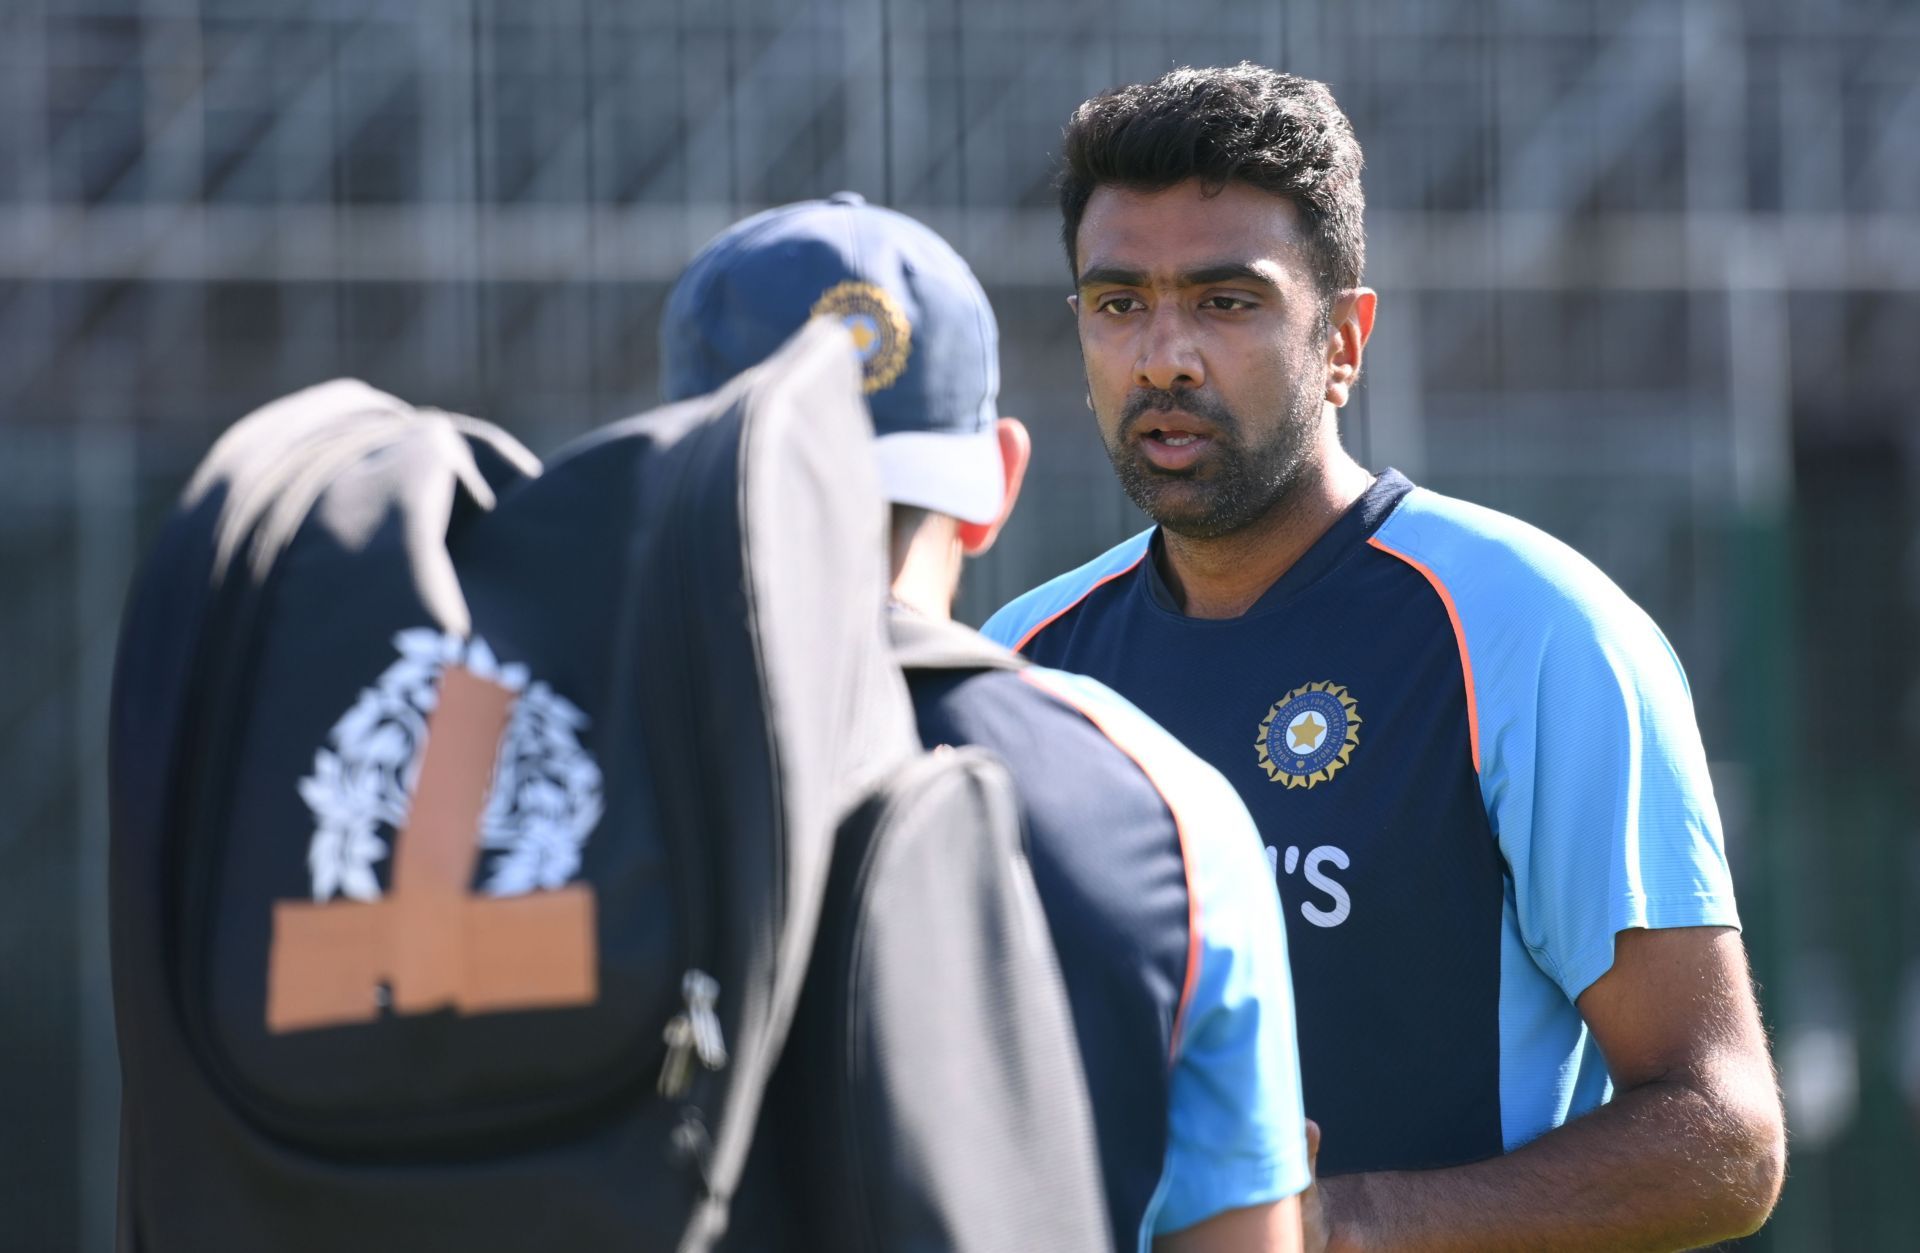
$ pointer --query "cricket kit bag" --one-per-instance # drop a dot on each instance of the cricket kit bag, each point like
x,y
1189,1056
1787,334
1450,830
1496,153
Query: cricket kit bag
x,y
472,823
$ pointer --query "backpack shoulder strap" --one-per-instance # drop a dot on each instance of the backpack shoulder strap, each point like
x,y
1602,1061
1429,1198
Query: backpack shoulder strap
x,y
883,1151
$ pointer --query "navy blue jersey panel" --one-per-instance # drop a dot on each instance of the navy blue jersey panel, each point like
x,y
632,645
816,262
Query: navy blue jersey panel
x,y
1337,709
1116,904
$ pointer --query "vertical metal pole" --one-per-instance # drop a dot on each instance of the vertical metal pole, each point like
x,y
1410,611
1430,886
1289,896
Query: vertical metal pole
x,y
1758,464
449,219
1396,425
26,137
863,137
105,485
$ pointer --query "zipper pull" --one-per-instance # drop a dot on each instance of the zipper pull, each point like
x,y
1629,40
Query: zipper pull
x,y
677,1073
695,1033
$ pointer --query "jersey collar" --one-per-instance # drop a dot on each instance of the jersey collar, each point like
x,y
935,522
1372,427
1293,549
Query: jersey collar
x,y
1348,533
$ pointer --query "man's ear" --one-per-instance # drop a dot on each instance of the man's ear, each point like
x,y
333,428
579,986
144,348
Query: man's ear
x,y
1016,450
1347,341
1073,303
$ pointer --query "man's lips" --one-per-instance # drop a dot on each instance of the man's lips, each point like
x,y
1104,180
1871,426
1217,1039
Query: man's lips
x,y
1172,446
1172,439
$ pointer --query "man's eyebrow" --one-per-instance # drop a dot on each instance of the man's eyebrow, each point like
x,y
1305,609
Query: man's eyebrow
x,y
1227,272
1211,272
1112,276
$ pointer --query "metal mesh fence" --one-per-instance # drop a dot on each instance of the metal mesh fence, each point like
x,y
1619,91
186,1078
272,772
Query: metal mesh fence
x,y
1650,278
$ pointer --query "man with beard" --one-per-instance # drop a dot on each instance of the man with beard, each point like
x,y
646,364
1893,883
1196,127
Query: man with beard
x,y
1526,1020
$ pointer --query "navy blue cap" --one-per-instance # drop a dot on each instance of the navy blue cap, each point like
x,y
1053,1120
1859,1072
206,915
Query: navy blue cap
x,y
927,340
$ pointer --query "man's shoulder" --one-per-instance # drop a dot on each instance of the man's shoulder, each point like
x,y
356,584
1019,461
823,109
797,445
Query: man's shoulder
x,y
1502,577
1176,771
1541,628
1022,716
1025,615
1072,734
1068,724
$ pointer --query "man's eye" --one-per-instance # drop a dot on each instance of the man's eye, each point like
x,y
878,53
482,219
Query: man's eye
x,y
1227,302
1119,304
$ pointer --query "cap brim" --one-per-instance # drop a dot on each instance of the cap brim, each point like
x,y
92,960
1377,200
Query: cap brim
x,y
958,475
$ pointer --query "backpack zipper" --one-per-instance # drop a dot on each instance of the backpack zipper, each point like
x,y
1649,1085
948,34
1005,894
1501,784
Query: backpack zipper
x,y
693,1034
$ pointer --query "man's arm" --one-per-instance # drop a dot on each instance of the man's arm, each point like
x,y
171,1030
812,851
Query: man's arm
x,y
1270,1228
1690,1150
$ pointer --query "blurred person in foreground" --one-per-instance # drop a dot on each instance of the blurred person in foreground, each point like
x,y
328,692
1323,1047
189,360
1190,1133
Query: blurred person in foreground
x,y
1148,866
1526,1020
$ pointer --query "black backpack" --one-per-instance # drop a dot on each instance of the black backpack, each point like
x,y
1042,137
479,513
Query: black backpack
x,y
472,824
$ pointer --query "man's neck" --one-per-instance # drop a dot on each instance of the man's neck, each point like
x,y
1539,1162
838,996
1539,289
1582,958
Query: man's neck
x,y
936,608
1225,576
929,572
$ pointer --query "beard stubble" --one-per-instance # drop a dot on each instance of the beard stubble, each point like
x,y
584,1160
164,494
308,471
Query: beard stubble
x,y
1240,482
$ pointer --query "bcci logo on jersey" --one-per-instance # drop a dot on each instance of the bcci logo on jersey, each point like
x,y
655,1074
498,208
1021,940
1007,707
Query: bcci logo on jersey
x,y
1308,735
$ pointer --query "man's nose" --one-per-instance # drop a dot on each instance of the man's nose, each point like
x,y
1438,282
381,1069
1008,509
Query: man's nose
x,y
1169,354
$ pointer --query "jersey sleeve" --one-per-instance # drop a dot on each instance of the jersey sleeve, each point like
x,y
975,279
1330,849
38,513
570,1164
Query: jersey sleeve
x,y
1236,1124
1591,765
1598,787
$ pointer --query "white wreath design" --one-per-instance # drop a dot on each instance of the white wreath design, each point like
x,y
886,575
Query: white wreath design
x,y
545,798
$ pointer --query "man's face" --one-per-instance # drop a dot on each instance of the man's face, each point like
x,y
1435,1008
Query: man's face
x,y
1204,336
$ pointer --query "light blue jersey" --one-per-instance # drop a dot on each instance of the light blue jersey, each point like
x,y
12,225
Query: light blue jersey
x,y
1473,762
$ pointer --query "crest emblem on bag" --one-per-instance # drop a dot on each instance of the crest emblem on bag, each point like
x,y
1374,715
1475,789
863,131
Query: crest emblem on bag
x,y
463,769
543,801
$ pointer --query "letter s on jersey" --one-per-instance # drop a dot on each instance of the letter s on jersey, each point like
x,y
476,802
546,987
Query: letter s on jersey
x,y
1336,894
1342,906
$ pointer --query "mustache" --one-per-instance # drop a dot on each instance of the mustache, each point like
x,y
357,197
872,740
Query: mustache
x,y
1149,403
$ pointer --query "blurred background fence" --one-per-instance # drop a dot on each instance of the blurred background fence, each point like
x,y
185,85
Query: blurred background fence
x,y
1649,275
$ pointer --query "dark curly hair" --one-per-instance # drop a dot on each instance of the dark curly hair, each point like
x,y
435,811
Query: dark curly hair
x,y
1278,132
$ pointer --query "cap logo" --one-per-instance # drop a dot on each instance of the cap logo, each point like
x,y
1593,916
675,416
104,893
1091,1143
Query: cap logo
x,y
879,326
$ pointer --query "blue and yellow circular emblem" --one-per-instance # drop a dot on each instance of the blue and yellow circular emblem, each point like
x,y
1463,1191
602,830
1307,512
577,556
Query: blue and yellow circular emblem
x,y
880,328
1308,735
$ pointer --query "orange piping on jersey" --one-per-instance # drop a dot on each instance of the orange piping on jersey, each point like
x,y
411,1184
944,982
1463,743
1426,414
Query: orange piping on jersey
x,y
1064,693
1459,639
1059,614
